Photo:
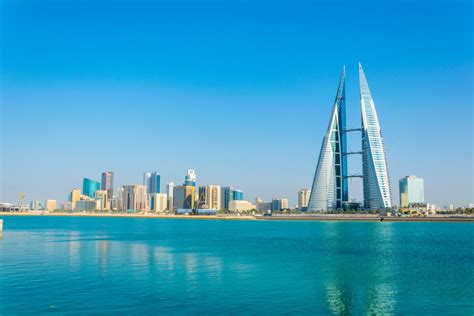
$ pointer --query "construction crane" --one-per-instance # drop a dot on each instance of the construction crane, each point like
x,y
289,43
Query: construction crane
x,y
198,202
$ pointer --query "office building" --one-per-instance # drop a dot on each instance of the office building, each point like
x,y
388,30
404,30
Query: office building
x,y
376,183
178,197
303,198
85,205
102,197
227,195
51,205
210,197
89,187
154,183
329,189
284,204
158,202
135,198
107,183
190,178
241,206
411,191
35,205
189,196
146,179
74,197
170,192
238,195
262,206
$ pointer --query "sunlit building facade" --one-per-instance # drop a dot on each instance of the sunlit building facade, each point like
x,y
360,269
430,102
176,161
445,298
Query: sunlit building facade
x,y
376,183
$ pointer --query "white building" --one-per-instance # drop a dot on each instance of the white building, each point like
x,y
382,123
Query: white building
x,y
303,198
240,206
284,204
158,202
212,197
170,192
35,205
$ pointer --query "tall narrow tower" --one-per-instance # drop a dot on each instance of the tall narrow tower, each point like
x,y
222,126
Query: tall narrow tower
x,y
329,189
377,191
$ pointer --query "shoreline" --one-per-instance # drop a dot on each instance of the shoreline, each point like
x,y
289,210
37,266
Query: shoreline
x,y
341,218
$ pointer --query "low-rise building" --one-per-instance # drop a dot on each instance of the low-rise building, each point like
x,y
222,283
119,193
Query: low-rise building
x,y
241,206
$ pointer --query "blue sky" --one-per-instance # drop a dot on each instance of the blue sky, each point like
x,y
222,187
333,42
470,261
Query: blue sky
x,y
240,91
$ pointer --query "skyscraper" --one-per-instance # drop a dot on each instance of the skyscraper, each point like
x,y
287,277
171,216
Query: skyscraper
x,y
238,195
154,185
146,179
376,183
212,197
190,178
411,191
108,183
170,192
227,195
89,187
329,189
134,198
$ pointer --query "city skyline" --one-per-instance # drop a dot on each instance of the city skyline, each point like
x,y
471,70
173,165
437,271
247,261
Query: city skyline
x,y
244,104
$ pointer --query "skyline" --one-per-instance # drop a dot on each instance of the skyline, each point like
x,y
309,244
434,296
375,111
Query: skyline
x,y
244,104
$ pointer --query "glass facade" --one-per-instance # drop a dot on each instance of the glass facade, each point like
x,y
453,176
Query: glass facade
x,y
89,187
154,183
411,191
330,188
376,183
238,195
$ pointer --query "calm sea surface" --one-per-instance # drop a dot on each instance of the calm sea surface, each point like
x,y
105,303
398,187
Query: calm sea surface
x,y
135,266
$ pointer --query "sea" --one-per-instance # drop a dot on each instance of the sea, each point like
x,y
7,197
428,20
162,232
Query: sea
x,y
130,266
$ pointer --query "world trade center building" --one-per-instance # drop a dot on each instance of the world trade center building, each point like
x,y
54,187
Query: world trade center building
x,y
330,184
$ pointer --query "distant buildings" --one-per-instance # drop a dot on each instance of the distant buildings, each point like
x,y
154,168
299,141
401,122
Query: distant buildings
x,y
303,198
279,204
158,202
108,183
51,205
178,197
170,192
190,178
212,197
240,206
154,183
238,195
101,197
229,194
89,187
75,197
35,205
411,191
262,206
135,197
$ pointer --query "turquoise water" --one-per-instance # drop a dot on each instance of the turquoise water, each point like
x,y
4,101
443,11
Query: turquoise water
x,y
172,266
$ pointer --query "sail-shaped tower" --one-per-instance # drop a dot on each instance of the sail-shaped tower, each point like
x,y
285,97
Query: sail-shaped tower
x,y
329,190
376,183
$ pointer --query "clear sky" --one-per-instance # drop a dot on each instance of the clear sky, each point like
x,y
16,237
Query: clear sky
x,y
240,91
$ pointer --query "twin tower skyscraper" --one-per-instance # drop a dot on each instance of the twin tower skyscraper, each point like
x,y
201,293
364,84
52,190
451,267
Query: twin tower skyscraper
x,y
330,190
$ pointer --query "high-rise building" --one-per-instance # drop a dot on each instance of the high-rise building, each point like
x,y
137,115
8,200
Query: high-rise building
x,y
178,197
135,198
376,183
74,197
35,205
89,187
170,192
51,205
212,197
107,183
411,191
238,195
303,198
146,179
189,196
154,183
190,178
158,202
227,195
276,204
102,197
329,190
284,204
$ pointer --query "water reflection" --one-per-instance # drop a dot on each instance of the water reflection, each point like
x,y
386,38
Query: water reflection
x,y
364,278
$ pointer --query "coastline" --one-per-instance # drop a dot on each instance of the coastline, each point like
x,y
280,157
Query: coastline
x,y
342,218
